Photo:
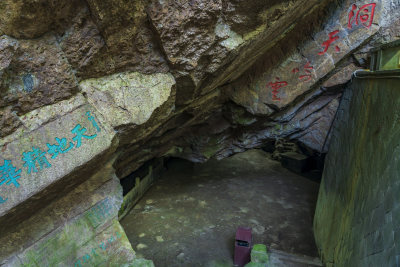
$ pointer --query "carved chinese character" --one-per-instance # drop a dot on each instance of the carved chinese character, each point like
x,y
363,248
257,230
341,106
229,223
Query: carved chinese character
x,y
94,123
275,87
307,70
60,148
79,132
364,15
327,43
9,175
3,200
35,156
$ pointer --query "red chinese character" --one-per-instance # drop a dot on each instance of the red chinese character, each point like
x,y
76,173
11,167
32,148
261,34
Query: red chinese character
x,y
275,87
328,42
365,15
307,69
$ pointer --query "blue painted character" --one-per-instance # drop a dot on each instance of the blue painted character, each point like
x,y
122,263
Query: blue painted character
x,y
118,234
59,148
104,207
86,258
94,252
3,200
111,240
103,246
80,134
33,157
78,263
9,174
91,118
95,214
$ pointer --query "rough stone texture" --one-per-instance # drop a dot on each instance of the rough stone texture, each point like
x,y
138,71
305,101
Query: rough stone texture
x,y
44,221
206,45
93,237
161,141
235,130
32,18
43,175
166,78
87,233
82,44
112,36
299,71
34,73
356,220
188,33
128,98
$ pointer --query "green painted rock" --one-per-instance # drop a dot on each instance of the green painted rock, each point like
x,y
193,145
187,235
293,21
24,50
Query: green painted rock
x,y
259,254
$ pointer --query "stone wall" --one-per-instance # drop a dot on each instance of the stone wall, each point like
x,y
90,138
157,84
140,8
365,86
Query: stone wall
x,y
357,217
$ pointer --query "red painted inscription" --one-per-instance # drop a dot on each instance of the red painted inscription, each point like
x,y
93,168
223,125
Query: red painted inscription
x,y
275,87
364,16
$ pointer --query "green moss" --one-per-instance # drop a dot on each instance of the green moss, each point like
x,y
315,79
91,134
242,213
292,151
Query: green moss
x,y
212,148
259,254
253,34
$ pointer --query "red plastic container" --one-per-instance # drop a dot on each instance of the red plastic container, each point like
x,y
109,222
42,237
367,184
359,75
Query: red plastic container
x,y
243,243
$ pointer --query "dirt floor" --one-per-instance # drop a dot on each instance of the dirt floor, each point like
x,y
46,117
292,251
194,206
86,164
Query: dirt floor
x,y
189,217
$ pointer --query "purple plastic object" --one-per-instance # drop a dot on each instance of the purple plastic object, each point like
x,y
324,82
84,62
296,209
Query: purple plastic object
x,y
243,243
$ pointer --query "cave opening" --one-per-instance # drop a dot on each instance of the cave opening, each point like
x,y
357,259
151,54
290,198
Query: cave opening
x,y
180,213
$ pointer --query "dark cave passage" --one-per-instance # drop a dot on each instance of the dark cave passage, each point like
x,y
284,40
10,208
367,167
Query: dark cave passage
x,y
190,215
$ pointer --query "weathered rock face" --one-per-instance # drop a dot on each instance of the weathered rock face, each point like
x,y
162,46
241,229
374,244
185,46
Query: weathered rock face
x,y
88,84
112,36
128,98
32,18
34,73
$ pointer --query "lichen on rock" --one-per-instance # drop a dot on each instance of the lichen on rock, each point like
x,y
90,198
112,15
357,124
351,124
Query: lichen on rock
x,y
128,98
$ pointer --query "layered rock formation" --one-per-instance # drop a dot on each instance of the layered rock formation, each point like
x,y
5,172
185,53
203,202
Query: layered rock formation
x,y
88,84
